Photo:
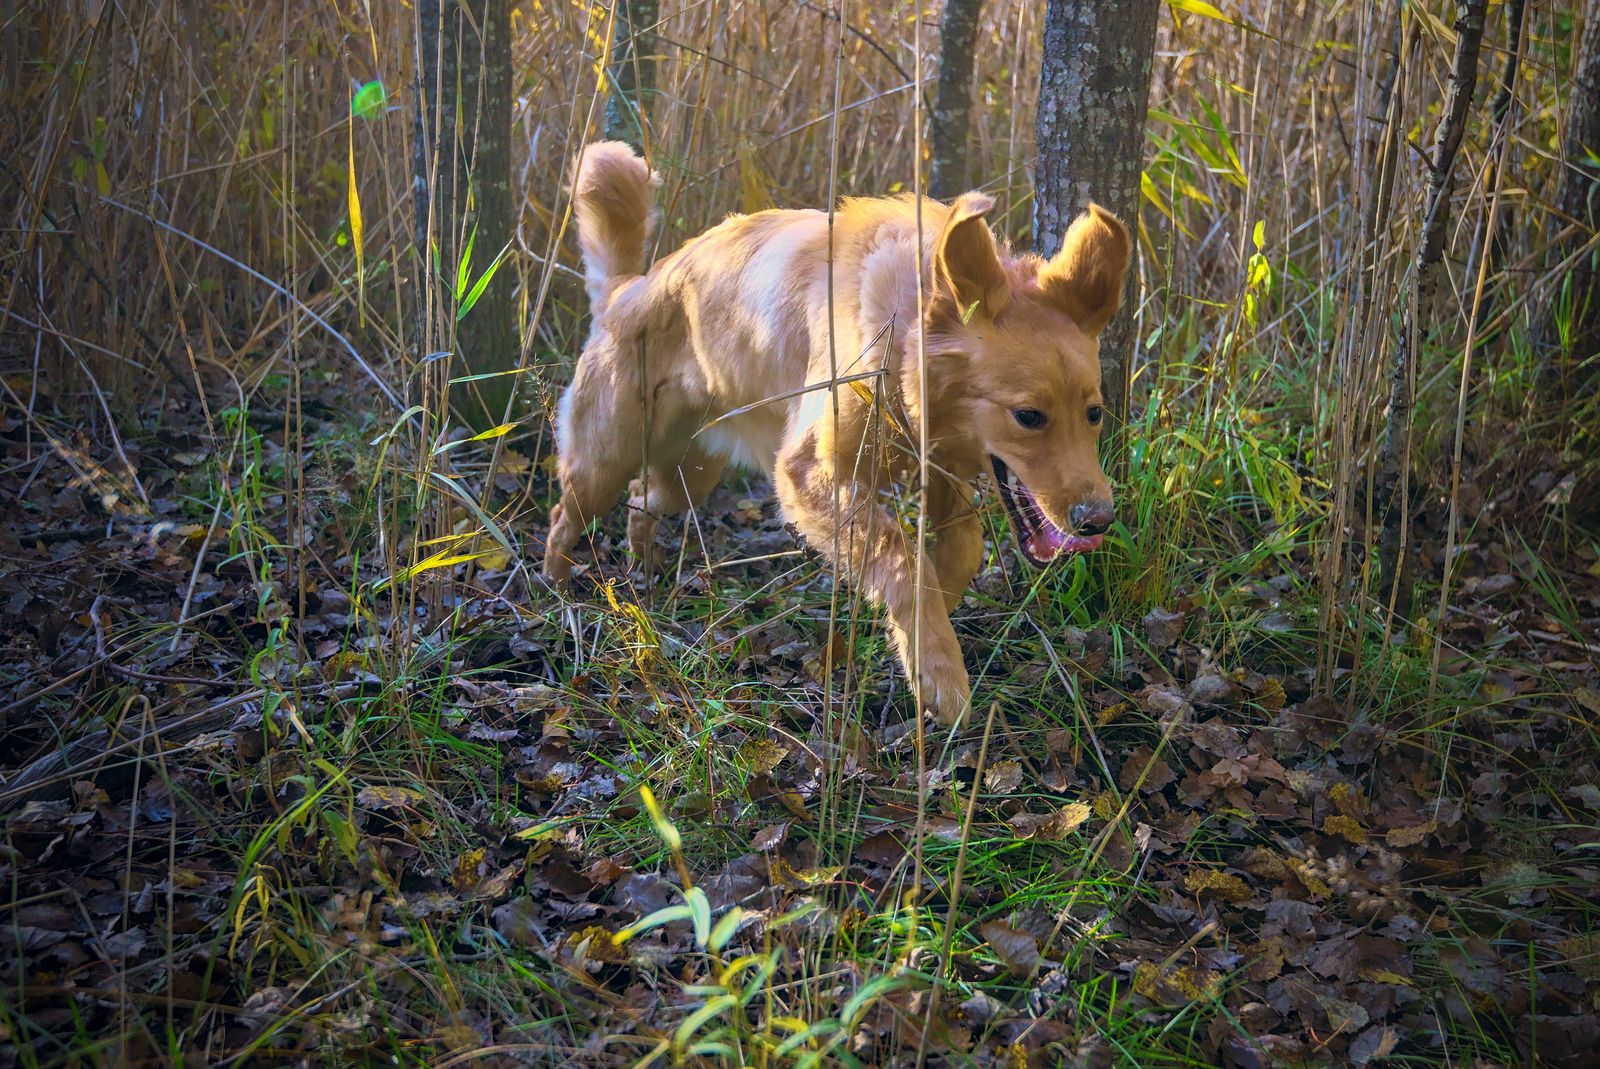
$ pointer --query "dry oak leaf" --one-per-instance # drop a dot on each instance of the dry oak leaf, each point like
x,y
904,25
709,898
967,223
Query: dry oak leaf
x,y
1224,885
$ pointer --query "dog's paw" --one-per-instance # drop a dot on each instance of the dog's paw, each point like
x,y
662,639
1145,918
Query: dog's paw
x,y
942,687
557,571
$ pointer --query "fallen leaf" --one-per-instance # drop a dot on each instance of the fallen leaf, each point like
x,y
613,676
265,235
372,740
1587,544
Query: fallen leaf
x,y
1163,628
1373,1044
1224,885
1400,838
1050,827
1346,828
1003,777
762,755
1175,986
1019,950
383,797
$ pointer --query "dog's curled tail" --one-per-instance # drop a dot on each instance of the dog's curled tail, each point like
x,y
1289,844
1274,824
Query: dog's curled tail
x,y
613,196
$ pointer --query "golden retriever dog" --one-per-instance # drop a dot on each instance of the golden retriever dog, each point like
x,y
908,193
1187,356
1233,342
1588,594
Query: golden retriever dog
x,y
730,350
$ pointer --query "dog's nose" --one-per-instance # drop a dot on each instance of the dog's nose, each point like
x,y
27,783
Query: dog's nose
x,y
1092,517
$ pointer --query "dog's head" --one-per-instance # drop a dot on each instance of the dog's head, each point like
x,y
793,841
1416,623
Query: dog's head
x,y
1018,338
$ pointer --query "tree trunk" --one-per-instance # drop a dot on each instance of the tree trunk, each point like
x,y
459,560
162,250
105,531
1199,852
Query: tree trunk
x,y
1094,92
463,196
1497,246
1394,466
1579,203
952,106
632,72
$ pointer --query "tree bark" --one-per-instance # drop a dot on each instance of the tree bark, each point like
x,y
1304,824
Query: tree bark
x,y
951,125
1094,92
1579,204
1394,467
632,72
1498,245
463,201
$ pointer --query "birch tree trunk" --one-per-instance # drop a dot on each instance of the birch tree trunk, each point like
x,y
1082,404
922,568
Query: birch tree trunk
x,y
952,105
1094,92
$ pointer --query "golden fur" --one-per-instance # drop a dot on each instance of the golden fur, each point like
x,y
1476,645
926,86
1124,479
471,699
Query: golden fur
x,y
707,360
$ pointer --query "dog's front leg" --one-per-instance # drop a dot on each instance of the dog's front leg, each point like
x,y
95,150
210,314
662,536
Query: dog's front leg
x,y
957,541
841,519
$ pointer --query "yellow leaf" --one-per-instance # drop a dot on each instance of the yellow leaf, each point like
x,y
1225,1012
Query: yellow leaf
x,y
439,560
388,797
597,943
1345,800
469,870
1271,697
1201,8
786,875
1400,838
1174,987
1583,954
1347,828
1383,976
492,432
1105,804
1313,883
494,560
1110,713
356,228
762,755
1224,885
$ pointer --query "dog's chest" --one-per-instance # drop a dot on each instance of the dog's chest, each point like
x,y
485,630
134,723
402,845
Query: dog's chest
x,y
750,441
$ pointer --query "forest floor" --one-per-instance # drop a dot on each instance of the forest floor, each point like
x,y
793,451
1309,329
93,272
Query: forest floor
x,y
268,800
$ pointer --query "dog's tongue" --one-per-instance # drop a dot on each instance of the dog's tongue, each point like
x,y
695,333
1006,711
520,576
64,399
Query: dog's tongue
x,y
1047,541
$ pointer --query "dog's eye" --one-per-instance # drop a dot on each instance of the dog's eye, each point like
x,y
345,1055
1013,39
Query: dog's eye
x,y
1096,413
1030,418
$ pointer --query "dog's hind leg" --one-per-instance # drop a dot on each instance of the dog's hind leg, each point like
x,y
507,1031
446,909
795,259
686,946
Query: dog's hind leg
x,y
594,460
672,488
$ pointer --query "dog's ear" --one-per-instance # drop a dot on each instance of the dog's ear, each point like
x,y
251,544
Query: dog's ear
x,y
1085,278
967,264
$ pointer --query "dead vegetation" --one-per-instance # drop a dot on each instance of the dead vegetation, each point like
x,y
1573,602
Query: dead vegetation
x,y
301,767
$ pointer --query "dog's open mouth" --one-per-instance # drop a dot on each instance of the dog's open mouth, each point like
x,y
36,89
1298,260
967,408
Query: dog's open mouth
x,y
1040,540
